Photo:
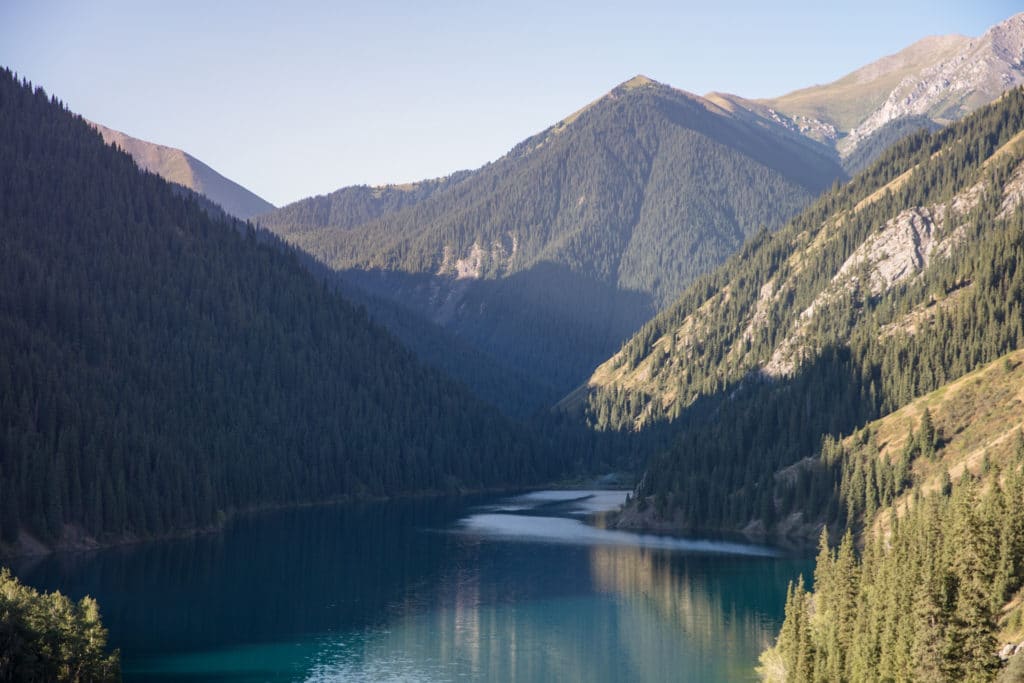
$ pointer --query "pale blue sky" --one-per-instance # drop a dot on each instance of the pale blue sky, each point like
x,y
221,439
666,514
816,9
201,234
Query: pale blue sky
x,y
298,98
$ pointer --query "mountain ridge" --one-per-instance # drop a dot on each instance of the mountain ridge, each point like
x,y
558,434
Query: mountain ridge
x,y
178,166
930,83
600,217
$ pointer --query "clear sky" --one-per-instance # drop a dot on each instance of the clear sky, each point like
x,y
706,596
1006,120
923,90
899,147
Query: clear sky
x,y
298,98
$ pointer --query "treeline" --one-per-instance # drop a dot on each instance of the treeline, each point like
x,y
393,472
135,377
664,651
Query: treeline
x,y
46,637
847,483
163,368
858,357
921,603
351,206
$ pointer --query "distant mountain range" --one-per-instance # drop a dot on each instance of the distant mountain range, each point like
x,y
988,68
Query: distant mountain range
x,y
551,256
184,169
927,85
546,259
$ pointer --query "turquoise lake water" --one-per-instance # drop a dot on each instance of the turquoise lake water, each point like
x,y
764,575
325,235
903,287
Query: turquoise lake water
x,y
510,589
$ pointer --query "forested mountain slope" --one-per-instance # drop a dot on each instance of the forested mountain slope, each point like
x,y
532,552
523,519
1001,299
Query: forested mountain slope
x,y
926,85
162,368
887,288
549,257
934,496
184,169
351,207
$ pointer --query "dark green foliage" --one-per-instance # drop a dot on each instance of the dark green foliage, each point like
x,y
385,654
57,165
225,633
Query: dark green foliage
x,y
350,207
920,607
163,368
48,638
736,429
491,376
651,163
584,230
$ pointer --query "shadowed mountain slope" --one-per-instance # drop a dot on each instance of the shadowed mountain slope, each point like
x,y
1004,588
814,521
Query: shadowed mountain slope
x,y
165,367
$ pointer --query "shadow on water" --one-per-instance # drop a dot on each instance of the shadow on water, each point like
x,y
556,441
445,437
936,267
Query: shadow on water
x,y
300,571
402,591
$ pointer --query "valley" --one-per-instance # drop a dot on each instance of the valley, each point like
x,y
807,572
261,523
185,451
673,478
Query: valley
x,y
331,440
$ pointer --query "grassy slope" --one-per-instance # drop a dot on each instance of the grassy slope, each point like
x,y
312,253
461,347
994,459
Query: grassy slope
x,y
849,100
979,419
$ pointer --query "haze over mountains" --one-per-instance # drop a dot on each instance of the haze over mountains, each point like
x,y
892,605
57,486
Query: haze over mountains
x,y
543,262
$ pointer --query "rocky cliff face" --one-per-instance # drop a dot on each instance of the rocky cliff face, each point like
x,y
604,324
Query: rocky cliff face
x,y
974,75
936,80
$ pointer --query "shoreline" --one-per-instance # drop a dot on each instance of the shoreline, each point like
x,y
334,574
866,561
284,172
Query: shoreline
x,y
793,534
75,540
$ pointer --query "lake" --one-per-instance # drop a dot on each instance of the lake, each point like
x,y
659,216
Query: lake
x,y
516,588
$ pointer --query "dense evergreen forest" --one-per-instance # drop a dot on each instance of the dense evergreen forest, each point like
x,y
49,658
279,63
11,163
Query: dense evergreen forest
x,y
549,258
47,637
935,591
164,367
797,337
351,207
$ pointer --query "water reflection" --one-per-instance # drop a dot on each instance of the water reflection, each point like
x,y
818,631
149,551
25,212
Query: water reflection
x,y
553,517
573,531
300,571
388,592
725,611
567,601
622,620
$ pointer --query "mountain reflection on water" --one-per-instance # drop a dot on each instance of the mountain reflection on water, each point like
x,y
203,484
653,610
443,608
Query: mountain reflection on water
x,y
512,589
508,523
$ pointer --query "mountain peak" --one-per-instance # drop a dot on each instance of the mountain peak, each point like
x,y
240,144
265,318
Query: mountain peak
x,y
638,81
929,83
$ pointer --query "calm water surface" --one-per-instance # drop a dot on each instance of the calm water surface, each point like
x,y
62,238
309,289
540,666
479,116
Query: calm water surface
x,y
512,589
